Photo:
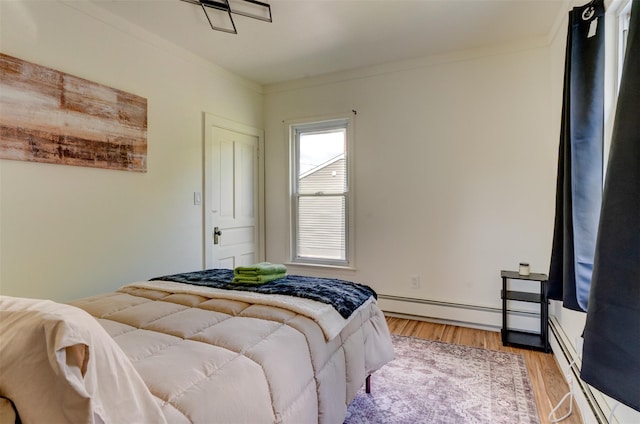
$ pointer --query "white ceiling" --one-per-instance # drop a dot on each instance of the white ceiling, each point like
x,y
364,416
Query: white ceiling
x,y
314,37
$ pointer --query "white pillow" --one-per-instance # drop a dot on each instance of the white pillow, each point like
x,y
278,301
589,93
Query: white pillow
x,y
59,365
7,413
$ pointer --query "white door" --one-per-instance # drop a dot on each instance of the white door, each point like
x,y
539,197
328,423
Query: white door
x,y
232,195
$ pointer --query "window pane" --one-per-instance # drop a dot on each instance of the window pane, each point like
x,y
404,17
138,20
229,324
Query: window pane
x,y
321,227
322,166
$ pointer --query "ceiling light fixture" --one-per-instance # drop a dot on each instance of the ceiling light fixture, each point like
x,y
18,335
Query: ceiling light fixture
x,y
220,12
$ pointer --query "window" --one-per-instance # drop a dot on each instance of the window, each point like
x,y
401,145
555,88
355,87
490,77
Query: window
x,y
320,192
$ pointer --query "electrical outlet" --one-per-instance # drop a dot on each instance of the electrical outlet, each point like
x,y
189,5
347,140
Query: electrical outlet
x,y
415,282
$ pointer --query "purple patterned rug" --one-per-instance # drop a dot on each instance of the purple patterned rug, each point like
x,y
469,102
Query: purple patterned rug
x,y
435,382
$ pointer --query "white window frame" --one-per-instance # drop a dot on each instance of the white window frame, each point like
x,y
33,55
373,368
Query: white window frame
x,y
345,121
617,26
624,17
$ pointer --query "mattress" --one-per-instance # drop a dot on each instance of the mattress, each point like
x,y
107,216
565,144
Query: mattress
x,y
209,355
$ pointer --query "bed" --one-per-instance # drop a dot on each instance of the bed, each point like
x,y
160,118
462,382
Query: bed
x,y
208,353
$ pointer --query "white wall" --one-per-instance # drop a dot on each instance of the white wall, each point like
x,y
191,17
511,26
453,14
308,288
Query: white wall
x,y
454,171
68,232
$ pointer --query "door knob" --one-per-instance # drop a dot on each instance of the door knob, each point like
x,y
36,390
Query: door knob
x,y
216,233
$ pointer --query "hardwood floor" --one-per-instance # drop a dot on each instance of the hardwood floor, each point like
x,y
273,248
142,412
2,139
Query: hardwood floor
x,y
548,382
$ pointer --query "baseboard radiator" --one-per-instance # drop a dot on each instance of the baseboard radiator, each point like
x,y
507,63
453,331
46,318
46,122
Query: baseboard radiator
x,y
593,407
465,315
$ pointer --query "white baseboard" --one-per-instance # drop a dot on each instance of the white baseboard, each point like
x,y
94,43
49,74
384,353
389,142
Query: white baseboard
x,y
464,315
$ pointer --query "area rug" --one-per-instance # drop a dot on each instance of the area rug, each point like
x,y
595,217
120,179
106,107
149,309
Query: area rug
x,y
435,382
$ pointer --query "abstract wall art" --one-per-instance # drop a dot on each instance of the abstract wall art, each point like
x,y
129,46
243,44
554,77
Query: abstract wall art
x,y
53,117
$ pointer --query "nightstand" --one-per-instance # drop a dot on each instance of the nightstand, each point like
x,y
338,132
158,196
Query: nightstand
x,y
524,339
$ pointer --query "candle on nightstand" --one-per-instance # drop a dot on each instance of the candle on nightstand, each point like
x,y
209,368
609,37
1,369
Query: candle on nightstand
x,y
523,269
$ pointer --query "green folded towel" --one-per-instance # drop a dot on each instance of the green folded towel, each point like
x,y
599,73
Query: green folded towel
x,y
262,268
257,279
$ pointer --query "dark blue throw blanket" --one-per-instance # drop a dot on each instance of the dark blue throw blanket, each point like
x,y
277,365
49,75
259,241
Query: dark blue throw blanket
x,y
344,296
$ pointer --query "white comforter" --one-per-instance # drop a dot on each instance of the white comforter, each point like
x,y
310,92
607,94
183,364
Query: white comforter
x,y
328,319
209,356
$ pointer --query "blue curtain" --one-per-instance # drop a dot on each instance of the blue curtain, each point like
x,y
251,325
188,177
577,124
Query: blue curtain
x,y
579,184
611,353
